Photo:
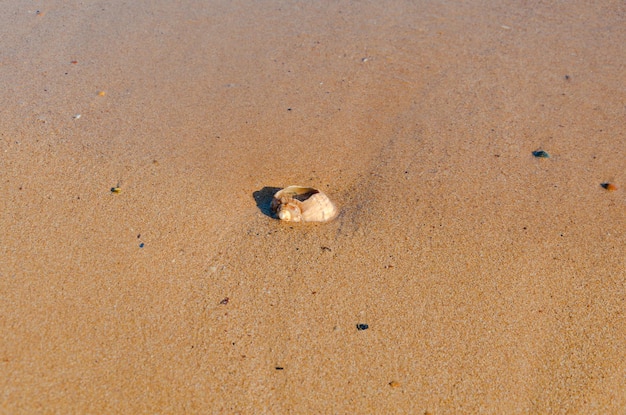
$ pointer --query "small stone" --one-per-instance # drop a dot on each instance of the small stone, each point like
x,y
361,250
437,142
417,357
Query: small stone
x,y
541,154
361,326
115,190
394,384
609,186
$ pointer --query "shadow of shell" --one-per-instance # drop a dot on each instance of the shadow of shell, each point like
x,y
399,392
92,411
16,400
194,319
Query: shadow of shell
x,y
263,199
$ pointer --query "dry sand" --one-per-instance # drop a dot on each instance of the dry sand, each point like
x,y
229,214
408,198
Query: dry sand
x,y
491,281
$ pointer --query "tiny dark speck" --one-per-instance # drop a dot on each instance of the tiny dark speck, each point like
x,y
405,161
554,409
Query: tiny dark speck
x,y
567,78
279,368
141,245
362,327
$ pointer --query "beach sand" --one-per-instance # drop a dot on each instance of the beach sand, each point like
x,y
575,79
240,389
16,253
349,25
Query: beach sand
x,y
490,281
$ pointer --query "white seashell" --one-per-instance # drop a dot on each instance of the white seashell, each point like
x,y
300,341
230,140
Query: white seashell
x,y
303,204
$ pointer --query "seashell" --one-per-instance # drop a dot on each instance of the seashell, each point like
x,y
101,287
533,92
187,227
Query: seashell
x,y
303,204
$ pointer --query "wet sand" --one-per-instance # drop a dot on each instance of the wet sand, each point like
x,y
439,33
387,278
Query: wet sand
x,y
490,281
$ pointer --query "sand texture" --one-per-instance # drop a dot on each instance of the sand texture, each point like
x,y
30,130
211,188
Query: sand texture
x,y
463,275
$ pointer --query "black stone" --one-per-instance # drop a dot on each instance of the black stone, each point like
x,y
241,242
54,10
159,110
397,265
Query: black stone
x,y
541,154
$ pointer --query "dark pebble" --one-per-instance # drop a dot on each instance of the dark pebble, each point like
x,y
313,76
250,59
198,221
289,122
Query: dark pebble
x,y
362,327
541,154
141,245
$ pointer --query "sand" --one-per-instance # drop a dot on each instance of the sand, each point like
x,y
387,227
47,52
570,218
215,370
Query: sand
x,y
490,281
